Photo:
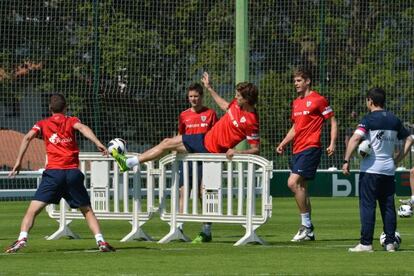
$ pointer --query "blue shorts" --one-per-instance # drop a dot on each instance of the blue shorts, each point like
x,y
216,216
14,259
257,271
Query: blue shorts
x,y
190,173
194,143
67,183
305,163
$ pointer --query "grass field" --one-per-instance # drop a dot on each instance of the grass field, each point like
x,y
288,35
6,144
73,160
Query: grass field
x,y
336,227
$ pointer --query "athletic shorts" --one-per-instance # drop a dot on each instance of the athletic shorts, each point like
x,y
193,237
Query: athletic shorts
x,y
194,143
305,163
190,173
67,184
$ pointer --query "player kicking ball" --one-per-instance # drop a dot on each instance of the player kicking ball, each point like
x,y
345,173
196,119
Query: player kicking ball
x,y
240,122
62,178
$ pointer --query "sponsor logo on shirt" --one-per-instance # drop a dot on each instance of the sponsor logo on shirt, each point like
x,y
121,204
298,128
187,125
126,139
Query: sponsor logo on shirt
x,y
55,139
305,112
197,125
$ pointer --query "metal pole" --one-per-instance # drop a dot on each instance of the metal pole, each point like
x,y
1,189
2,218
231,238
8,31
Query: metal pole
x,y
322,61
96,63
242,47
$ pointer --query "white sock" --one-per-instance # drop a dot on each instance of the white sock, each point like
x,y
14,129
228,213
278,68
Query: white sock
x,y
132,162
22,235
207,228
412,198
99,237
306,221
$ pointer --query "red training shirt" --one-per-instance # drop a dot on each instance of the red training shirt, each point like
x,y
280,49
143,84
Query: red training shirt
x,y
59,136
235,126
308,115
190,122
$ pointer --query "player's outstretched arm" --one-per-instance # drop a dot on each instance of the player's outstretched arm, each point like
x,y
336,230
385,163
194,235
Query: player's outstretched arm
x,y
88,133
334,135
409,141
222,103
288,138
22,150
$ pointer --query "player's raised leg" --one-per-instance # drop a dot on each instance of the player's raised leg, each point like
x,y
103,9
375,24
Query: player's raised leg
x,y
168,144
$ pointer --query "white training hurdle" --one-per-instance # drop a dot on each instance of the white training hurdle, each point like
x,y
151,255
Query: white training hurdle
x,y
249,179
101,170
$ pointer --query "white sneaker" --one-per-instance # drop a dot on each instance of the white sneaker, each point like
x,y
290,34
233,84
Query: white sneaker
x,y
390,247
407,201
304,234
361,248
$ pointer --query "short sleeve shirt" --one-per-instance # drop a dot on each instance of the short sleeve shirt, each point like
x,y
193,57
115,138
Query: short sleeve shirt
x,y
235,126
308,115
190,122
59,137
383,130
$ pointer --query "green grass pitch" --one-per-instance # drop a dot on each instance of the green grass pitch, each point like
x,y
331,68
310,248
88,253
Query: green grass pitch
x,y
336,228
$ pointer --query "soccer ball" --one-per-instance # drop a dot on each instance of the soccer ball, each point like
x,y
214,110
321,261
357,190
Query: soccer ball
x,y
405,211
397,239
118,144
364,148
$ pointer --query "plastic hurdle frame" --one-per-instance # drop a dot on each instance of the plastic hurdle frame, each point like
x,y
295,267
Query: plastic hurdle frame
x,y
100,175
251,182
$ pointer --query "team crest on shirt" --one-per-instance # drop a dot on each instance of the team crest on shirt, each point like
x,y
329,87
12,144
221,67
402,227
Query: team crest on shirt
x,y
203,118
308,103
242,119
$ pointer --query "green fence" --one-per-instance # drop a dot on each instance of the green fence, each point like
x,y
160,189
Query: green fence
x,y
335,183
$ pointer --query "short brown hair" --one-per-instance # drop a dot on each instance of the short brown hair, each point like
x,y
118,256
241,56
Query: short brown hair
x,y
195,87
303,72
248,91
57,103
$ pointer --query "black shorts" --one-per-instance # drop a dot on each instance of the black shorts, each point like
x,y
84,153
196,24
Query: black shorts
x,y
190,173
305,163
194,143
67,183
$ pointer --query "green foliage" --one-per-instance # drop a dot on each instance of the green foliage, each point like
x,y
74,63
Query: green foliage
x,y
127,63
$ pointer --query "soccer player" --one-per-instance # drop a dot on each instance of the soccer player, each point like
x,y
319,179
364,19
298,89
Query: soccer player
x,y
240,122
62,178
198,119
309,111
410,201
376,179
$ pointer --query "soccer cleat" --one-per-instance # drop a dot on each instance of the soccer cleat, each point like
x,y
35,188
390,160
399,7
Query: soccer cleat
x,y
120,160
202,237
304,234
105,247
16,246
407,201
361,248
